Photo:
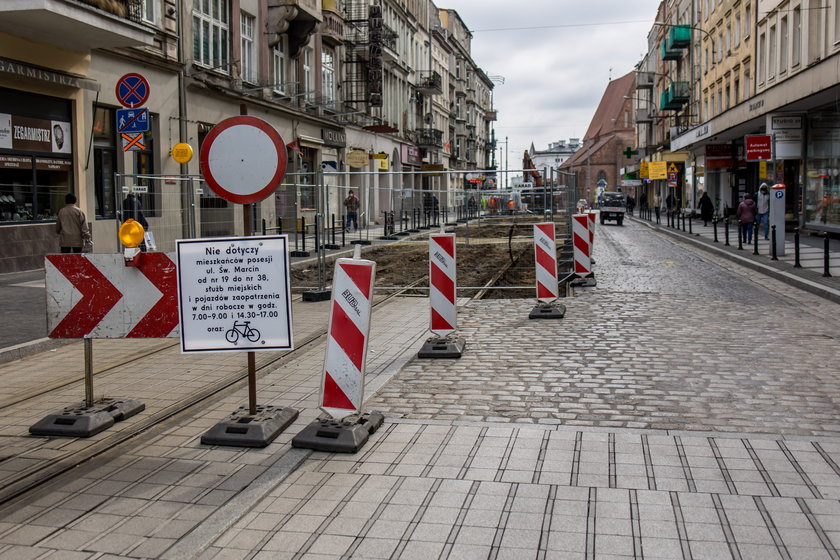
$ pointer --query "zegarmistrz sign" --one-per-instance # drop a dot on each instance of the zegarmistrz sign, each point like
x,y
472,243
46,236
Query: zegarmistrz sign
x,y
234,294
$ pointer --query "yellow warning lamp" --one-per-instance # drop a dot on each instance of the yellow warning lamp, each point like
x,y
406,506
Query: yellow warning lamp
x,y
131,235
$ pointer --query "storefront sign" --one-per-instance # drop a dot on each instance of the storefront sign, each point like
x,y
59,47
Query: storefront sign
x,y
375,72
357,159
658,170
34,135
382,164
15,162
644,170
36,73
334,138
759,147
53,164
719,156
410,155
787,133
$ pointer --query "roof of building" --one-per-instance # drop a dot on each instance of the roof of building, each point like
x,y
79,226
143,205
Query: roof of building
x,y
608,113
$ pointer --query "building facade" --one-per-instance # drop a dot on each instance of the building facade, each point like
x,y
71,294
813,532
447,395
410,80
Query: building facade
x,y
761,67
358,90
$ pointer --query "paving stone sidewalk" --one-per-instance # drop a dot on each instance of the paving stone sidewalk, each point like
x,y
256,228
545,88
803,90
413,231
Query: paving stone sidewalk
x,y
651,422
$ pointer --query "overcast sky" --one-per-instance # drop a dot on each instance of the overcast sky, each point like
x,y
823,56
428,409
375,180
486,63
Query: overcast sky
x,y
556,57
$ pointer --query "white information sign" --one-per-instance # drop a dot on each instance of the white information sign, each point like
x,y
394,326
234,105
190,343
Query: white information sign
x,y
234,294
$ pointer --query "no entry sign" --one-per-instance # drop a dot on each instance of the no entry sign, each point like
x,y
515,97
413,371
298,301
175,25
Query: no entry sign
x,y
243,159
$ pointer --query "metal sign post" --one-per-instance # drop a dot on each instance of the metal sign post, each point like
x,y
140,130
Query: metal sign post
x,y
243,160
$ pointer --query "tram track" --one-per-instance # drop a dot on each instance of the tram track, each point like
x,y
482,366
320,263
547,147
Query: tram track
x,y
41,473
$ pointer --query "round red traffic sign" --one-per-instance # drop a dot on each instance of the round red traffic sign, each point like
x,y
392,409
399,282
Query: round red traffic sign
x,y
132,90
243,159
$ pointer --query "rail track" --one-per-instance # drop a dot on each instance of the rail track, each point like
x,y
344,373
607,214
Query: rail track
x,y
38,474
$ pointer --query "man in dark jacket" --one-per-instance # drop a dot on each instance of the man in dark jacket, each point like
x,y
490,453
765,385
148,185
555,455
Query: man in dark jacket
x,y
746,216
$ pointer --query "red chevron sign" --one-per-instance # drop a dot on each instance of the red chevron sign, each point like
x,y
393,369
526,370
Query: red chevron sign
x,y
96,295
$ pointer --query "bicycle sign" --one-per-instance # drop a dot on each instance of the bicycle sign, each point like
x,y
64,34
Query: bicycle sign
x,y
234,294
242,329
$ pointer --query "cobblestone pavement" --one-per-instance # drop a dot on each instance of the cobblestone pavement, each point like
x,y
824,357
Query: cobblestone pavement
x,y
671,338
683,409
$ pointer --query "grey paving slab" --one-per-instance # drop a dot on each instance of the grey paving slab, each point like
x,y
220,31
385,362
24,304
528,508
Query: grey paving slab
x,y
650,423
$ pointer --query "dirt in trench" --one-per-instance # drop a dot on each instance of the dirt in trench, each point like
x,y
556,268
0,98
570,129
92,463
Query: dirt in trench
x,y
483,251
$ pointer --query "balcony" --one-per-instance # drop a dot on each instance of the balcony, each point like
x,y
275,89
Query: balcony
x,y
80,26
332,28
679,37
669,53
428,138
644,80
430,83
673,98
297,19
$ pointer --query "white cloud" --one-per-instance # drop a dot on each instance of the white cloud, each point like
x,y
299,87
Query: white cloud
x,y
556,56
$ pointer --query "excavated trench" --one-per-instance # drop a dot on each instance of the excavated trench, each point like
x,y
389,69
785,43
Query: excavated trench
x,y
496,253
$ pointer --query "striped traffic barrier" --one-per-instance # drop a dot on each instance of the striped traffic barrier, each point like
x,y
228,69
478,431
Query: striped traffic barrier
x,y
343,375
581,242
545,261
442,300
591,215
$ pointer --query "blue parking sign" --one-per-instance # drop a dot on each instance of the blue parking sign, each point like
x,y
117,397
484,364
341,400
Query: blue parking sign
x,y
133,120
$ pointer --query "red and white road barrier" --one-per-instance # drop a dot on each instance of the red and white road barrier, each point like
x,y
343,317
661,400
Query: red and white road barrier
x,y
442,283
591,215
343,377
545,257
581,241
95,295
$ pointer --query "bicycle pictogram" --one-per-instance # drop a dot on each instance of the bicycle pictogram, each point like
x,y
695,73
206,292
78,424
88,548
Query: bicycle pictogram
x,y
242,329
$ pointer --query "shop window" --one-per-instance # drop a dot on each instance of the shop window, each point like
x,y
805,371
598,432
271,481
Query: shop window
x,y
36,165
822,189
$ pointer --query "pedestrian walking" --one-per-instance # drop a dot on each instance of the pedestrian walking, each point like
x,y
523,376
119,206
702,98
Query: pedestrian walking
x,y
351,204
746,215
631,203
762,215
707,208
657,206
71,226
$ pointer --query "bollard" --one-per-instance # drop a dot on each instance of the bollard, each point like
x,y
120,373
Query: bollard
x,y
755,243
826,273
772,240
689,226
682,218
714,227
726,232
343,230
300,234
740,236
263,226
796,263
